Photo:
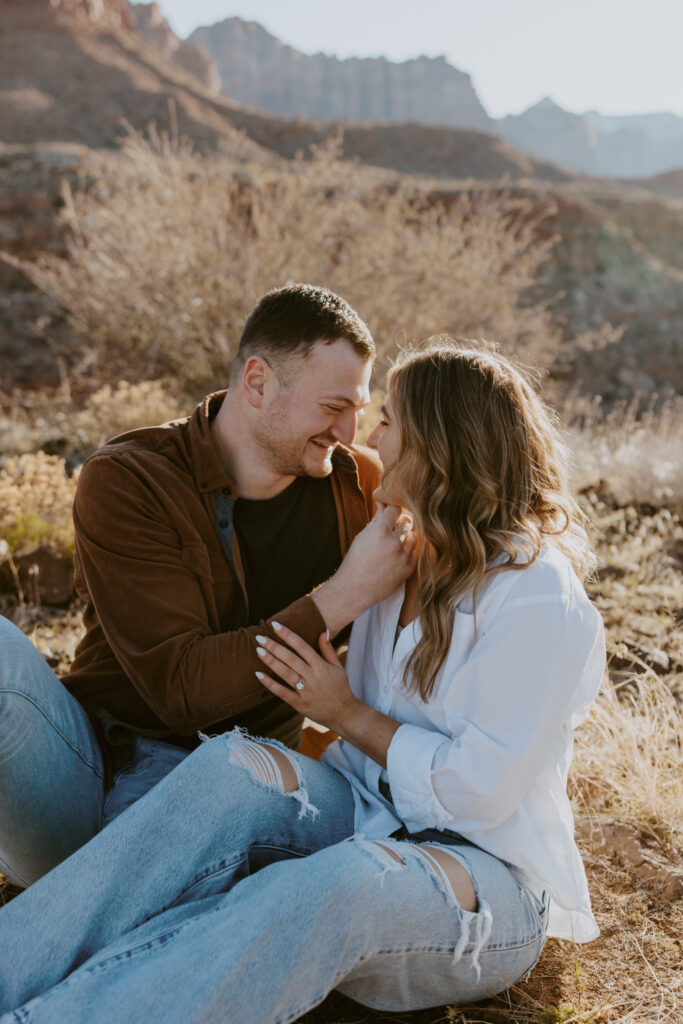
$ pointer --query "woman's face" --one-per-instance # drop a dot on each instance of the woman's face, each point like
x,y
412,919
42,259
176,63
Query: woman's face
x,y
386,441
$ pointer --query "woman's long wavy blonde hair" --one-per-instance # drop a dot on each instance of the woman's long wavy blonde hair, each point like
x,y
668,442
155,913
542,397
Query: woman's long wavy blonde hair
x,y
484,471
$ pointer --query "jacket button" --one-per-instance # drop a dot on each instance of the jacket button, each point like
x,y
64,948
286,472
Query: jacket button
x,y
224,524
203,485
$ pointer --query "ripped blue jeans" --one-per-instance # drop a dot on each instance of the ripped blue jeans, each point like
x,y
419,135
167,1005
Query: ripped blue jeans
x,y
218,896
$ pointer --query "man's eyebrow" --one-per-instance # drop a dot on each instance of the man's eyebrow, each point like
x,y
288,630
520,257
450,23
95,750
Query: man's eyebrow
x,y
344,399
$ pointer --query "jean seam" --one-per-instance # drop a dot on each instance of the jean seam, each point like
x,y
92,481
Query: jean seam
x,y
46,716
131,953
225,866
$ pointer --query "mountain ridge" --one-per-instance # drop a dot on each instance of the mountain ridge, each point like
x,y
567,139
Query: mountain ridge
x,y
430,90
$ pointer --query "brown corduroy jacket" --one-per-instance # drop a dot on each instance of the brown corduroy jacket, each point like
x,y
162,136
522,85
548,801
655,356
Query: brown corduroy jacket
x,y
164,652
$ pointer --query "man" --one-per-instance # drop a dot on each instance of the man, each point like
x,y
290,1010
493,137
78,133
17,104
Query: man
x,y
191,538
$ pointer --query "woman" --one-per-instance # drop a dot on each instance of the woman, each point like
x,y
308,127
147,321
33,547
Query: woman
x,y
424,861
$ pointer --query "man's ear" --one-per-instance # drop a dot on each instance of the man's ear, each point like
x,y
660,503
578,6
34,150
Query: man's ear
x,y
255,377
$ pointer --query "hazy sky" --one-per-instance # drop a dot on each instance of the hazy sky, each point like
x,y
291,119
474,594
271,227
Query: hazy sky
x,y
616,56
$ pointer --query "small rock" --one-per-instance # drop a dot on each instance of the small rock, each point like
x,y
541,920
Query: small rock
x,y
632,850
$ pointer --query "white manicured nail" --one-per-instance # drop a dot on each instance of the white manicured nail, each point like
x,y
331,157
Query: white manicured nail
x,y
261,651
262,639
260,676
276,625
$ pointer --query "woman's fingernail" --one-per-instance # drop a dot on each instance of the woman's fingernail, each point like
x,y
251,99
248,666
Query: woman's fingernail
x,y
261,651
260,676
276,625
262,639
327,634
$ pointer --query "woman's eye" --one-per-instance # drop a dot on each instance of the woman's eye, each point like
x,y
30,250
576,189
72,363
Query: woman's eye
x,y
383,423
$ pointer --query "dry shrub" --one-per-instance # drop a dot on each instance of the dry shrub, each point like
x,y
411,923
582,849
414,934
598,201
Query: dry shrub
x,y
170,250
636,447
115,410
32,420
36,499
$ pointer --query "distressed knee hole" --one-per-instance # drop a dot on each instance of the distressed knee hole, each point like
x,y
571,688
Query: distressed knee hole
x,y
454,877
390,852
268,765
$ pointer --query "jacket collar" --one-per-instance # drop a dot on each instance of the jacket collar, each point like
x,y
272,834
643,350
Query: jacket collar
x,y
208,473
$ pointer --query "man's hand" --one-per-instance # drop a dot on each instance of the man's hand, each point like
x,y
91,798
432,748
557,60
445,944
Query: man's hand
x,y
380,559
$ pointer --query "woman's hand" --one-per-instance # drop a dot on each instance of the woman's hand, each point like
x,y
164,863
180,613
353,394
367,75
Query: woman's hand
x,y
317,686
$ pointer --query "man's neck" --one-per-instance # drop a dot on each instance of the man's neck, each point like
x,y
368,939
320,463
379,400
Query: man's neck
x,y
241,460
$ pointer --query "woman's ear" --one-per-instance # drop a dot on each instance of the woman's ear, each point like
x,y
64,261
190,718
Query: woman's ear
x,y
255,377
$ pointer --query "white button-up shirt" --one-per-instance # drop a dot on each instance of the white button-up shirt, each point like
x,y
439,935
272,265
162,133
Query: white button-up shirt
x,y
488,755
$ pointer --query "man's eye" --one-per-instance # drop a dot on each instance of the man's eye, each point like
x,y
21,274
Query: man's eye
x,y
334,408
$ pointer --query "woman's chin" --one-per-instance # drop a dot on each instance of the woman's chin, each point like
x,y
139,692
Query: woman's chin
x,y
380,496
385,498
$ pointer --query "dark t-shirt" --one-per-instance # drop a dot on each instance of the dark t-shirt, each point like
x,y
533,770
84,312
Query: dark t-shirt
x,y
289,544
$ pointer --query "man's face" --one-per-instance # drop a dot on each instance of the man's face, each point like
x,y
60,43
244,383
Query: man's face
x,y
313,409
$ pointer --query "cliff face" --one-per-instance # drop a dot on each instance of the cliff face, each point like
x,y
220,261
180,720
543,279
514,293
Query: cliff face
x,y
257,69
644,144
566,139
150,24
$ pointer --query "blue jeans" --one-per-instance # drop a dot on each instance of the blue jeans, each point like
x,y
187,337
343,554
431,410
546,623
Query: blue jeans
x,y
52,793
220,897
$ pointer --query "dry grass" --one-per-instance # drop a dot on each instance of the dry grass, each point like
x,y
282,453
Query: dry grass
x,y
636,445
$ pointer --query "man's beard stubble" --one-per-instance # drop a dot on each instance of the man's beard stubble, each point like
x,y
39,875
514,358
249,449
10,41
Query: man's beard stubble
x,y
284,452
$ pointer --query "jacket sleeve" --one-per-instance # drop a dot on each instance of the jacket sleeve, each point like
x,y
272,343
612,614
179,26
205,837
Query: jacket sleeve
x,y
540,661
150,595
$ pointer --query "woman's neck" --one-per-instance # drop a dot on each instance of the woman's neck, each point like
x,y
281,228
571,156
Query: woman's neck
x,y
409,606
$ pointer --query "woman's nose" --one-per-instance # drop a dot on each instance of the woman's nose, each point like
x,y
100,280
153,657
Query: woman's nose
x,y
371,440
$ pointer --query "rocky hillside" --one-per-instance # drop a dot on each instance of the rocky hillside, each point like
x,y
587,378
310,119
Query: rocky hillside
x,y
78,72
256,68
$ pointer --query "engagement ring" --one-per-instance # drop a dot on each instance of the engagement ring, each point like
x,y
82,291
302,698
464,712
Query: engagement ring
x,y
299,685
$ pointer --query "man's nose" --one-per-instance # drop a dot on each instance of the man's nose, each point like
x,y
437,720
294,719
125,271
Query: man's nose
x,y
345,426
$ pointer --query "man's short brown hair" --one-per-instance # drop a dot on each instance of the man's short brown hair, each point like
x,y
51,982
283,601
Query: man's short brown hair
x,y
289,321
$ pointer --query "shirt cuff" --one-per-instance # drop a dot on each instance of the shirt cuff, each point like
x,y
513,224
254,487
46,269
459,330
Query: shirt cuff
x,y
409,767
